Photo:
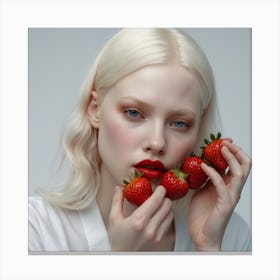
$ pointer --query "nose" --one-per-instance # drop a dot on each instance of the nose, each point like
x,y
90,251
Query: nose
x,y
155,142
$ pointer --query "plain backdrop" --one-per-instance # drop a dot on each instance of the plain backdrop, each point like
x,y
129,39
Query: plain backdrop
x,y
59,59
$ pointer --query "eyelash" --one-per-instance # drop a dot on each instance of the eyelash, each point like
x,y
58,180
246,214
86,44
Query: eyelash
x,y
184,125
129,113
135,115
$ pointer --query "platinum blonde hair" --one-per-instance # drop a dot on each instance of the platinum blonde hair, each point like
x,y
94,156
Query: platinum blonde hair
x,y
126,52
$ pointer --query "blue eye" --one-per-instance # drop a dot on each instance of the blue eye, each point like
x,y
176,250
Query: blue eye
x,y
180,124
132,113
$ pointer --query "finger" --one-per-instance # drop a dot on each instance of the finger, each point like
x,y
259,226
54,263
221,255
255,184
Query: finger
x,y
233,163
160,215
239,162
238,173
228,139
241,156
216,180
151,205
165,226
117,205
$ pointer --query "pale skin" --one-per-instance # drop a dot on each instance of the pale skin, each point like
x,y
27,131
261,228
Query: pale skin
x,y
146,126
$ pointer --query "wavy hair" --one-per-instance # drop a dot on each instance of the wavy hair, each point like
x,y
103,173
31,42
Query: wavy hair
x,y
128,51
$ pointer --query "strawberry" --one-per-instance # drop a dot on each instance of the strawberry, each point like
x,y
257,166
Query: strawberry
x,y
192,166
138,189
212,153
175,183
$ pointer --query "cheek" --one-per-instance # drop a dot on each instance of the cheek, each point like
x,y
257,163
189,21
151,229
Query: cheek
x,y
181,149
116,135
185,146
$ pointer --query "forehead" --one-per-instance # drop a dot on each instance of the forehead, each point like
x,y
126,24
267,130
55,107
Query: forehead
x,y
169,76
170,82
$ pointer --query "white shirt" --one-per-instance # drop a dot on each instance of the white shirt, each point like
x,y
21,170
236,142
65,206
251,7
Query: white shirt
x,y
52,229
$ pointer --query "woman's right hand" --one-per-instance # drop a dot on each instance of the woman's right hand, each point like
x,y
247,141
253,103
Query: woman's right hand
x,y
145,227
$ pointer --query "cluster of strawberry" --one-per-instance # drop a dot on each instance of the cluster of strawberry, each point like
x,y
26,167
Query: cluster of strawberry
x,y
178,181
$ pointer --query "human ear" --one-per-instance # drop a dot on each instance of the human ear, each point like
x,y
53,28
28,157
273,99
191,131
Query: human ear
x,y
93,110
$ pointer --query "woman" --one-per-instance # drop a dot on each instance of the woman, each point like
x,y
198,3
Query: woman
x,y
150,96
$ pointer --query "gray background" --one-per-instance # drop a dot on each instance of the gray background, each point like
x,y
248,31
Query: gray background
x,y
59,60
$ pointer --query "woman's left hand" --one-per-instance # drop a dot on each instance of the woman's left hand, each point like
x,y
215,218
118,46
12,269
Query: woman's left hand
x,y
212,206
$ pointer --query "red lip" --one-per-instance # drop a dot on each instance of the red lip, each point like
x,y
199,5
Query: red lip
x,y
151,169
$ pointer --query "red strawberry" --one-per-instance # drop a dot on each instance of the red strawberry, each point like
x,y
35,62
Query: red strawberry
x,y
212,153
138,189
192,166
175,183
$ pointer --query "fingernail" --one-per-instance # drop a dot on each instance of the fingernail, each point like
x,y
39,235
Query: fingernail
x,y
225,148
228,139
203,165
162,187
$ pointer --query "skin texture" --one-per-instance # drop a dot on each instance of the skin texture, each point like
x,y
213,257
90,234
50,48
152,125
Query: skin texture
x,y
154,114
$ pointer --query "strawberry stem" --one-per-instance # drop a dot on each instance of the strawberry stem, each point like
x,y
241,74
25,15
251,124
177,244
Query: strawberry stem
x,y
125,182
180,174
